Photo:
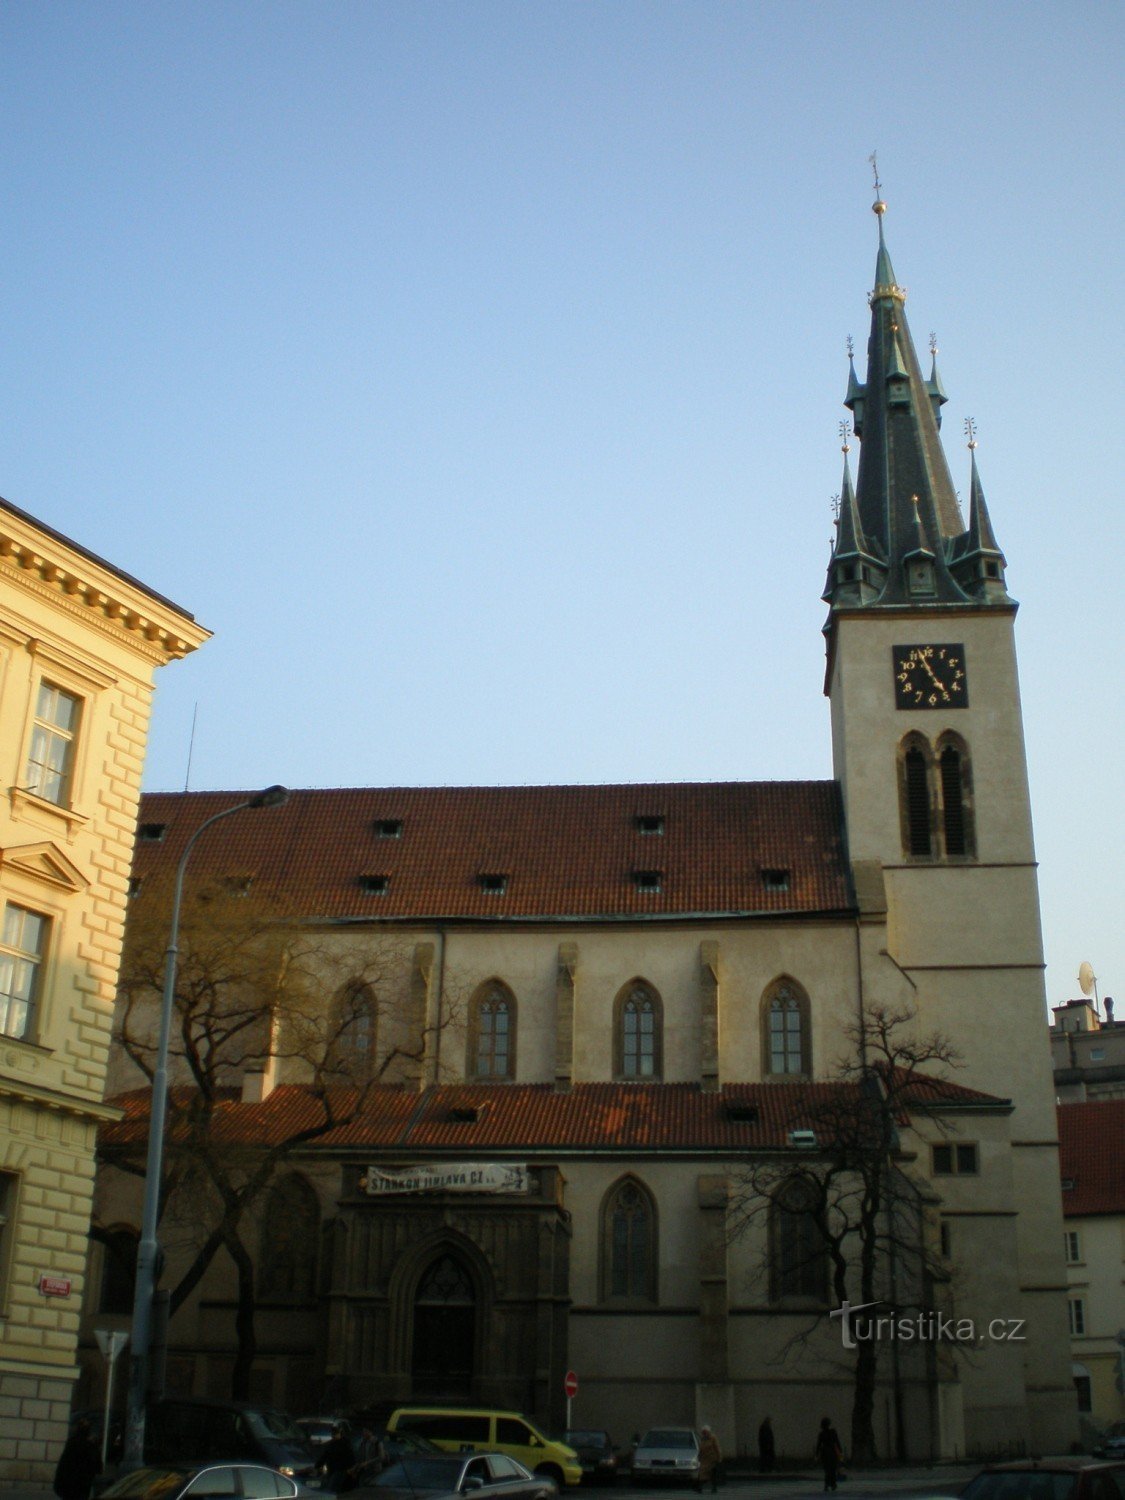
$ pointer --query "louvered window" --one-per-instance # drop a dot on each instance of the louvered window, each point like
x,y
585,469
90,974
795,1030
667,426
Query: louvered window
x,y
952,801
917,804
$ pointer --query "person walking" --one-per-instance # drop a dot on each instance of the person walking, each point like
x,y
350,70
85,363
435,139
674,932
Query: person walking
x,y
766,1449
337,1459
710,1457
79,1464
829,1452
370,1456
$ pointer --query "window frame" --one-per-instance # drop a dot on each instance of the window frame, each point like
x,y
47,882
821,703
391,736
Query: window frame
x,y
638,988
785,986
1076,1315
38,958
641,1290
964,1158
346,1057
487,995
290,1191
801,1223
9,1209
68,735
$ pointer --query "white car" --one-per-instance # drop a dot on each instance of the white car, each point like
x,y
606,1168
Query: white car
x,y
667,1453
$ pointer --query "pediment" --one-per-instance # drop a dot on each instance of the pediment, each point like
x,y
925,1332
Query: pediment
x,y
45,862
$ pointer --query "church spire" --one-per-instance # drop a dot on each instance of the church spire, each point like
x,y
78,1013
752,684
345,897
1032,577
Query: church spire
x,y
906,511
979,563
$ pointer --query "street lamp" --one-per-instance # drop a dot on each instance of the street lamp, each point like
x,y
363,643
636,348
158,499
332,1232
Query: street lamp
x,y
141,1336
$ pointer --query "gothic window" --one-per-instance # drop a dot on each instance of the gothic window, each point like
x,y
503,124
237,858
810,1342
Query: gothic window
x,y
628,1244
786,1039
958,833
353,1046
935,798
492,1033
798,1262
290,1235
638,1033
915,763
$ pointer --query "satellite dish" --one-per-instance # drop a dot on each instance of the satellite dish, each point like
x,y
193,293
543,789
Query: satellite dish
x,y
1087,979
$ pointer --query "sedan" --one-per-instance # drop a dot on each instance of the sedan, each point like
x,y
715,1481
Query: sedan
x,y
596,1452
219,1481
667,1453
457,1474
1048,1479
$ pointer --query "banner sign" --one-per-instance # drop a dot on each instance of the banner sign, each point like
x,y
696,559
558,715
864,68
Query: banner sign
x,y
450,1177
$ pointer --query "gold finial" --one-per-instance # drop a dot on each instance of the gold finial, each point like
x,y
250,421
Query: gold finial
x,y
933,344
971,431
878,207
845,434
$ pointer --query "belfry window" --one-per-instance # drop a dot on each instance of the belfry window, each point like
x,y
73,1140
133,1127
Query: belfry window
x,y
916,777
935,798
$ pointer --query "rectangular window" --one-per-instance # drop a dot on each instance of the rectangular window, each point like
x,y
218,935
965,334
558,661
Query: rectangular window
x,y
1073,1241
1077,1306
949,1160
50,760
22,946
8,1185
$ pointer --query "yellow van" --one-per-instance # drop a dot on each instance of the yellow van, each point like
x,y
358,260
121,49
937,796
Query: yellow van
x,y
456,1428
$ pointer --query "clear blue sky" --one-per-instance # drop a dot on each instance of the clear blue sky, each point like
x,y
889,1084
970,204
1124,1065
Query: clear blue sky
x,y
473,370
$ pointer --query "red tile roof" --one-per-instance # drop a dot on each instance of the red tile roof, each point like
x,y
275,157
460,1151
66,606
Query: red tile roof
x,y
1092,1157
568,852
628,1117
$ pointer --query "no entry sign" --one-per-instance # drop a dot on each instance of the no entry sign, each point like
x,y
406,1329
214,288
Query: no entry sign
x,y
570,1385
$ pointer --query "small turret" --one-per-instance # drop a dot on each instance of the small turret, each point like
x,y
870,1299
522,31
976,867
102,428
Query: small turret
x,y
978,563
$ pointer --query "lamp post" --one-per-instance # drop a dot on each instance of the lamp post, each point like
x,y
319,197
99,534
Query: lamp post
x,y
147,1250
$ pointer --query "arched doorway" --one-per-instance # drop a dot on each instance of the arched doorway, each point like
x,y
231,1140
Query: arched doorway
x,y
445,1319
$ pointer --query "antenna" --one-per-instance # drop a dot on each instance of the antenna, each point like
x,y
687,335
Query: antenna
x,y
1088,981
191,745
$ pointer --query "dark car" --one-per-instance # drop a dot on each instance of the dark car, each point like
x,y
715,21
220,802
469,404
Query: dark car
x,y
319,1430
220,1481
1112,1444
456,1474
189,1429
1048,1479
596,1453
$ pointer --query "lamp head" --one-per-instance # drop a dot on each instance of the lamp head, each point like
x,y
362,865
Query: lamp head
x,y
273,796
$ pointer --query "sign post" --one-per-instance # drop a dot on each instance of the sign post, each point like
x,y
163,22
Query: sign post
x,y
570,1386
111,1341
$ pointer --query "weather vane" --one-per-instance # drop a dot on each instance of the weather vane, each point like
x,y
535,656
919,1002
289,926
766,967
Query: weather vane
x,y
845,434
851,347
835,503
875,173
971,431
933,343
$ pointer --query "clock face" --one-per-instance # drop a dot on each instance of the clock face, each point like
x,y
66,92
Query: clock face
x,y
930,677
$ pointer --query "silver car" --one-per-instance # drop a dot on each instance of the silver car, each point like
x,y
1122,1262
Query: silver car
x,y
667,1453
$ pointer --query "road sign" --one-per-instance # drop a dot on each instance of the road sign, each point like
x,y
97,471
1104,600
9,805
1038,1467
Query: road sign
x,y
570,1385
111,1341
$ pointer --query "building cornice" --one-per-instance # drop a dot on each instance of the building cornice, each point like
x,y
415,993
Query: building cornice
x,y
57,1099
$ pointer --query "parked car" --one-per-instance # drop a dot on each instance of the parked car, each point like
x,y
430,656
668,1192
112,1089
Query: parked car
x,y
1112,1444
455,1428
319,1430
596,1452
1048,1479
489,1476
667,1453
189,1429
233,1481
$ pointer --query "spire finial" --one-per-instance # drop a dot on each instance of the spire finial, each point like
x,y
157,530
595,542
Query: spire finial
x,y
851,347
878,207
971,431
845,434
933,344
835,504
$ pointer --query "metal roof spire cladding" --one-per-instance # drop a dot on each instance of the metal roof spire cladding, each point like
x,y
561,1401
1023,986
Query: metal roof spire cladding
x,y
904,489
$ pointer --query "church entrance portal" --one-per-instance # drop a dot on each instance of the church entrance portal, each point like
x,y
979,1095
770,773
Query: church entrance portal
x,y
445,1316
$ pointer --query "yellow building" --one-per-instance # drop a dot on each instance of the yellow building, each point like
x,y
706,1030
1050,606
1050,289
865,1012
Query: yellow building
x,y
79,644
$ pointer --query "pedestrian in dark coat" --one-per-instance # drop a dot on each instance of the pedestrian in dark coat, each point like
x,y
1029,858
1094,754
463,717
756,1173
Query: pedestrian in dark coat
x,y
766,1450
829,1453
337,1459
79,1464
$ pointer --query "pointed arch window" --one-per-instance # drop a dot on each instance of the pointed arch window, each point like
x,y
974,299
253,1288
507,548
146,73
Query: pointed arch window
x,y
492,1033
798,1258
628,1260
786,1030
935,798
290,1236
639,1033
356,1026
954,774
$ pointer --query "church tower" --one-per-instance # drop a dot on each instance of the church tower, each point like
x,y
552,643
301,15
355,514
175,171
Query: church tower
x,y
928,750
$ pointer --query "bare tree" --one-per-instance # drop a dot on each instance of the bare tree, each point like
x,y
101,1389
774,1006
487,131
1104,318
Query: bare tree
x,y
258,994
846,1216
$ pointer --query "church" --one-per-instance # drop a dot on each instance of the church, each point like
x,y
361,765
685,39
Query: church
x,y
564,1029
